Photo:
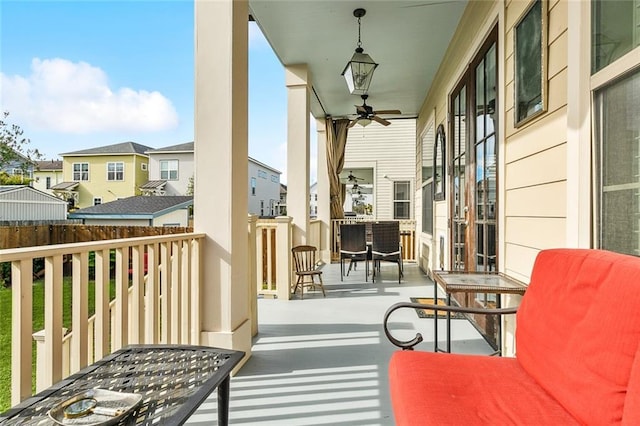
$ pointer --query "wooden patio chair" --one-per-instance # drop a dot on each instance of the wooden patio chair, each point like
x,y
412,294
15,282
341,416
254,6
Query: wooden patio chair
x,y
353,246
307,268
386,245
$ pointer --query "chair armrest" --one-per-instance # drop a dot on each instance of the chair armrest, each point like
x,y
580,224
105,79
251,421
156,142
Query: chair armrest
x,y
409,344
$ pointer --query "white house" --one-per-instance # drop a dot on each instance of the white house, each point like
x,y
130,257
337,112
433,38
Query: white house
x,y
170,170
381,162
47,174
171,173
264,189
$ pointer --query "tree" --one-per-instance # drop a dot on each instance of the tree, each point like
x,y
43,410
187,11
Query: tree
x,y
14,146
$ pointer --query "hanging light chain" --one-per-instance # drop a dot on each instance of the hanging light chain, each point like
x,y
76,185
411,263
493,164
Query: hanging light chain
x,y
359,42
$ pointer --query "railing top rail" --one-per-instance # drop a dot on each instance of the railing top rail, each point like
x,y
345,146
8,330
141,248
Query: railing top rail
x,y
8,255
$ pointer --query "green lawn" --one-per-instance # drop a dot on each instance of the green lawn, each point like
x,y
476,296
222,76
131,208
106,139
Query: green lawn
x,y
38,324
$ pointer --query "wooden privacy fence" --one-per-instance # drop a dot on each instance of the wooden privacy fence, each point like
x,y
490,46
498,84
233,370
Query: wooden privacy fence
x,y
49,234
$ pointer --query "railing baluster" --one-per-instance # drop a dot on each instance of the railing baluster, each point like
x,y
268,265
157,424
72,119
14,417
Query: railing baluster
x,y
176,285
185,293
137,294
21,314
165,293
80,311
195,285
103,317
53,319
151,295
122,298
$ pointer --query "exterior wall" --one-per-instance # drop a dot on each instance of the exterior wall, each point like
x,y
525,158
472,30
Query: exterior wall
x,y
11,166
175,218
40,179
98,186
535,154
390,152
28,204
185,170
267,190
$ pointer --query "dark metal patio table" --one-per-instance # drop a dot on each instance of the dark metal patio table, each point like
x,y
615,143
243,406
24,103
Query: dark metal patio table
x,y
172,379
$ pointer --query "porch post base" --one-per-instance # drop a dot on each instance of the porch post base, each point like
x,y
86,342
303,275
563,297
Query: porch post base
x,y
238,339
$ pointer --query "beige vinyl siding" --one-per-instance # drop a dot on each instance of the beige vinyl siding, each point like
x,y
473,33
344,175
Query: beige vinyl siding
x,y
535,154
390,151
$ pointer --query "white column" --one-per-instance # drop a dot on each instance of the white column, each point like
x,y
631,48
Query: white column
x,y
298,83
324,209
221,168
579,126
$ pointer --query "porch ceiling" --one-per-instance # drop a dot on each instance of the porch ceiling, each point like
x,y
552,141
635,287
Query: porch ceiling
x,y
407,38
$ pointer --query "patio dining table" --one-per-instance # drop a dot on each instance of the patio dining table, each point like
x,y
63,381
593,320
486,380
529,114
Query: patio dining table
x,y
173,381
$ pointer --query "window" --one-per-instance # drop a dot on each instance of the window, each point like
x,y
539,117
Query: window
x,y
427,208
615,31
253,186
169,169
16,172
97,201
616,123
262,174
617,113
261,207
401,200
274,179
48,184
143,167
115,171
530,63
80,171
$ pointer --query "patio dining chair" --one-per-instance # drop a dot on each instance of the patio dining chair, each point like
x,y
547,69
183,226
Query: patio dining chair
x,y
307,268
386,245
353,246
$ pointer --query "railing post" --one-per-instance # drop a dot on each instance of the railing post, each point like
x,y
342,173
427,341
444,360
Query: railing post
x,y
253,273
284,271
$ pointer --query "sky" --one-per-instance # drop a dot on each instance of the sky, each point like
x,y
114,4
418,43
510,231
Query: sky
x,y
85,73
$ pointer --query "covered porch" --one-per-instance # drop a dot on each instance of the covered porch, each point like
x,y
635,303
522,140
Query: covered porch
x,y
324,360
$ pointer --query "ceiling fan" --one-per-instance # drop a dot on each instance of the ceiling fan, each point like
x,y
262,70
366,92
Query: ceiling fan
x,y
352,178
366,114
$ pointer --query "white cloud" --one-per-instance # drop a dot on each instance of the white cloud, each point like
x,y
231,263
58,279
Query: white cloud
x,y
69,97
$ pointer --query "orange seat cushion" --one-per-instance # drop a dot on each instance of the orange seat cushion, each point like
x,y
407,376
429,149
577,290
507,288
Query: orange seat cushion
x,y
450,389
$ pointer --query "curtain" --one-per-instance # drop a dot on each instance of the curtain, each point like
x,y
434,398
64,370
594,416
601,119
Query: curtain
x,y
336,142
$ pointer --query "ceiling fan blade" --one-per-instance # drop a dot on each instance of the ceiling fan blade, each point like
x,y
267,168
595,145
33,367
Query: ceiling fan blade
x,y
361,109
380,120
388,111
353,123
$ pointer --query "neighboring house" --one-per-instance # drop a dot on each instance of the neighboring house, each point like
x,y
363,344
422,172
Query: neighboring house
x,y
24,203
264,189
21,166
281,207
47,174
138,211
170,170
313,200
385,177
107,173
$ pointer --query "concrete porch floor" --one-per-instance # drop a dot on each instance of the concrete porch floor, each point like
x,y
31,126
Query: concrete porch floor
x,y
323,361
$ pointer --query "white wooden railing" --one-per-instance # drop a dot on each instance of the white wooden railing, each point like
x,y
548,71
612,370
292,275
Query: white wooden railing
x,y
138,314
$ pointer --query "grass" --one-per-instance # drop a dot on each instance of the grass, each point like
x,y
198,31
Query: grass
x,y
38,324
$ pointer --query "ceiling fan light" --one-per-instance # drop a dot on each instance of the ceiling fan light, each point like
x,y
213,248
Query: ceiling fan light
x,y
364,122
358,72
